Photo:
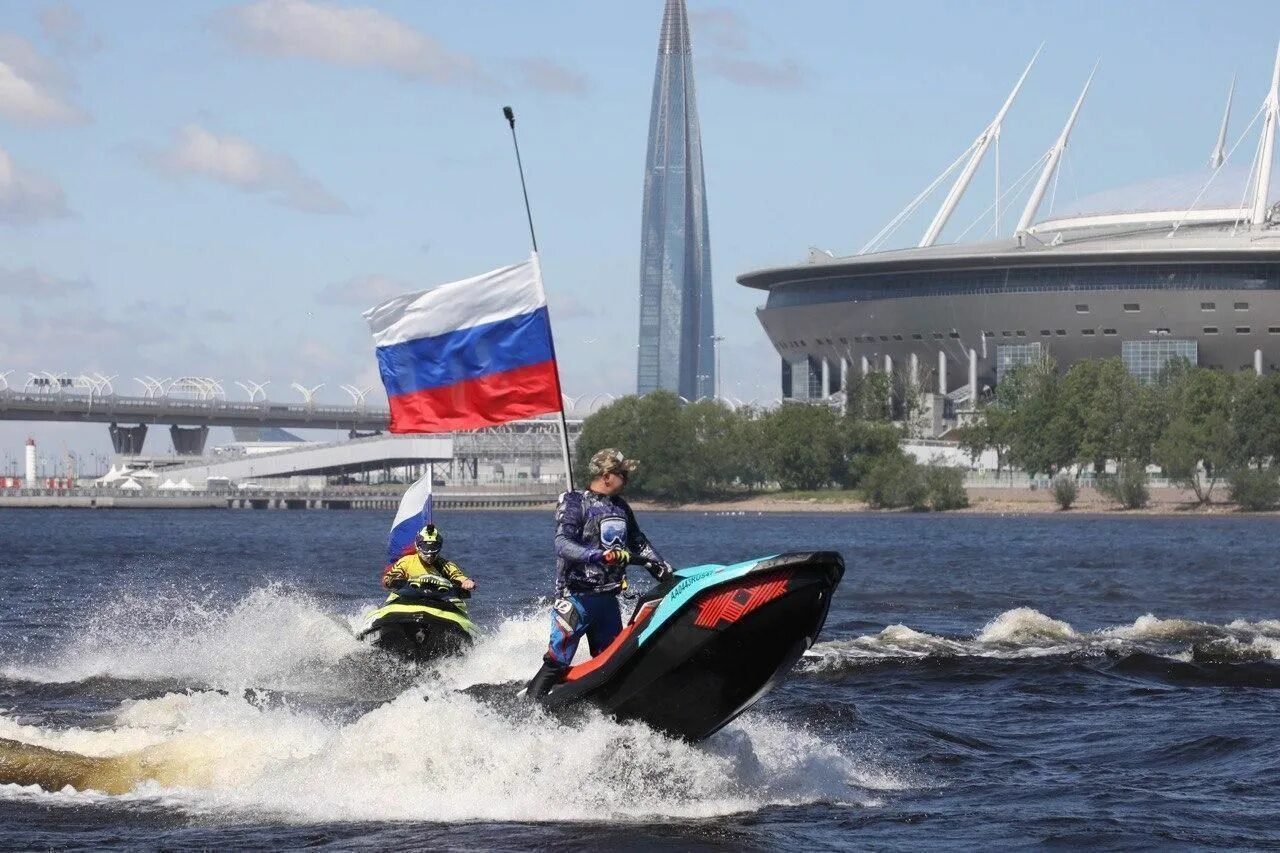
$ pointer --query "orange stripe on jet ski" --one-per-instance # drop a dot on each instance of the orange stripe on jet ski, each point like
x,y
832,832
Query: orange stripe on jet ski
x,y
731,605
583,669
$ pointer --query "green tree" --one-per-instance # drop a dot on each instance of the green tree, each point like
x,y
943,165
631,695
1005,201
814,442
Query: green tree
x,y
869,397
865,443
1195,447
803,446
1025,423
1256,420
653,430
729,453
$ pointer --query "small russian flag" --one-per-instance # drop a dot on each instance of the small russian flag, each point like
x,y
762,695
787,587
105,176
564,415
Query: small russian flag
x,y
468,354
414,512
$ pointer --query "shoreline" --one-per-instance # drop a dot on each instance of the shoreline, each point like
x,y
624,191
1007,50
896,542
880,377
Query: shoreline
x,y
1170,503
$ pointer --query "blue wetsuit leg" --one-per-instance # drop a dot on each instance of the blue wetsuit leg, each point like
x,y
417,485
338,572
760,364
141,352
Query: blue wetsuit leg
x,y
604,620
568,623
595,615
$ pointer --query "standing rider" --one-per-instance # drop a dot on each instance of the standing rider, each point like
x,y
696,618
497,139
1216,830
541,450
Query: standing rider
x,y
425,570
596,538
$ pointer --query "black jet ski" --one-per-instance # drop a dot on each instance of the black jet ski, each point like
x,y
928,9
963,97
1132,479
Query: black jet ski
x,y
705,645
420,623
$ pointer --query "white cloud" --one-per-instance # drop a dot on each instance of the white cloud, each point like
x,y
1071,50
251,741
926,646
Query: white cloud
x,y
723,27
32,87
240,164
31,283
63,26
26,197
356,36
363,290
750,72
548,75
733,58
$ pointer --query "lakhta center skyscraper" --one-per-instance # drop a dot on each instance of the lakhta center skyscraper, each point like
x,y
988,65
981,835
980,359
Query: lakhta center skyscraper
x,y
676,325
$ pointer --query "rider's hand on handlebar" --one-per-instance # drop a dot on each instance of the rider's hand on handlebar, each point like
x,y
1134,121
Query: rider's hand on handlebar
x,y
468,584
617,557
393,578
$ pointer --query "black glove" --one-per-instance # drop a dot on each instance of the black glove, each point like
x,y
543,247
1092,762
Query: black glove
x,y
662,570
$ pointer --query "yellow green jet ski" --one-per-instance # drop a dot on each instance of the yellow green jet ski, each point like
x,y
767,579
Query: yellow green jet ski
x,y
421,622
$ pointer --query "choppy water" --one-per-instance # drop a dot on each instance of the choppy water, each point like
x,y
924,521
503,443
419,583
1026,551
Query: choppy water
x,y
982,681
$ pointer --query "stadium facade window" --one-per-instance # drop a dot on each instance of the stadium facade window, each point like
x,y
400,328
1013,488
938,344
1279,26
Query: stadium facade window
x,y
1086,331
1060,332
1241,306
1009,356
937,336
1108,331
1242,330
1006,334
897,337
1146,359
813,369
786,379
1210,330
955,334
916,336
1208,306
1078,279
1022,333
1044,333
1273,330
1131,307
1081,308
988,334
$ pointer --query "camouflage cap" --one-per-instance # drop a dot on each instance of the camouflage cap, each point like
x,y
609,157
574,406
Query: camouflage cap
x,y
610,461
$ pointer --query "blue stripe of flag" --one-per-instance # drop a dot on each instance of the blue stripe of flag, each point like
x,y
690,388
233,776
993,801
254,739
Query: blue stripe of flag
x,y
465,354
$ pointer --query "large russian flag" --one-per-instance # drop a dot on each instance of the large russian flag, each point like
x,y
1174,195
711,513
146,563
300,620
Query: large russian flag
x,y
468,354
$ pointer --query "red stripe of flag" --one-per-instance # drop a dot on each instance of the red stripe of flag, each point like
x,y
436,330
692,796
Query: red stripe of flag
x,y
494,399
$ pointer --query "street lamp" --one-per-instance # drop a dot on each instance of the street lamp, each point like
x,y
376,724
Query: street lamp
x,y
715,349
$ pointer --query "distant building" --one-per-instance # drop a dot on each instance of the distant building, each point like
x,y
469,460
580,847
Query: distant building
x,y
1147,279
676,351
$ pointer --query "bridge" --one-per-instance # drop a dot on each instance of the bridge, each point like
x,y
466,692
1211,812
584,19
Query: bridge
x,y
189,406
329,497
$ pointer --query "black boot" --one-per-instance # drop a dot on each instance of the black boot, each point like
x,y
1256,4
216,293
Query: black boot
x,y
542,682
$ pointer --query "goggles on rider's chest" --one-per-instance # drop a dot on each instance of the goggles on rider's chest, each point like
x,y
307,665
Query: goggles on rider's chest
x,y
613,533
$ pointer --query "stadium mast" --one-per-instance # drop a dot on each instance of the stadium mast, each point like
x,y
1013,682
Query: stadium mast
x,y
978,149
1054,157
1263,185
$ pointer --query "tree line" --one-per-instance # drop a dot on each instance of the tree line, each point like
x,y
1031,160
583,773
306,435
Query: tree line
x,y
709,450
1198,425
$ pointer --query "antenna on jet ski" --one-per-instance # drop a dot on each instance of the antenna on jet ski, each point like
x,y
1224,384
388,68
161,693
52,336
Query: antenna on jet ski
x,y
510,115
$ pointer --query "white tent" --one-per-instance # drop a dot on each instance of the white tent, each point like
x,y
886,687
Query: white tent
x,y
184,483
112,475
145,474
168,485
130,485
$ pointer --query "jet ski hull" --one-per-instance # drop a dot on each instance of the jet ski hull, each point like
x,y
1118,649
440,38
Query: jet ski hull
x,y
706,645
418,632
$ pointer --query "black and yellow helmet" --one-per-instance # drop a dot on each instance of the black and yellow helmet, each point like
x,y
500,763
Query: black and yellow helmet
x,y
429,542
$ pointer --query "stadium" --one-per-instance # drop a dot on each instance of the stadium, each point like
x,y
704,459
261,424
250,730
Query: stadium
x,y
1199,278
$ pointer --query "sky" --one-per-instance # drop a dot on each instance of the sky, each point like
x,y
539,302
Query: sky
x,y
220,188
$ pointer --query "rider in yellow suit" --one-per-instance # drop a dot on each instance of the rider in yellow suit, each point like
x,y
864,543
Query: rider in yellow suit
x,y
425,568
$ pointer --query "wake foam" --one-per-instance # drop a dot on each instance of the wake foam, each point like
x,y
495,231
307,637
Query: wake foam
x,y
441,756
1027,633
430,753
273,637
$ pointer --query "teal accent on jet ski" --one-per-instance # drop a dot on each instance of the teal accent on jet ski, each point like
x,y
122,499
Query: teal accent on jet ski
x,y
695,579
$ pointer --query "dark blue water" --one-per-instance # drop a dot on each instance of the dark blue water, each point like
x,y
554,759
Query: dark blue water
x,y
1103,682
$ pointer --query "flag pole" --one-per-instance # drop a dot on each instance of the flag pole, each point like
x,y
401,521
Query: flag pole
x,y
510,115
